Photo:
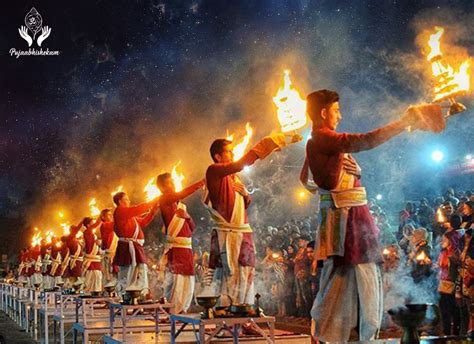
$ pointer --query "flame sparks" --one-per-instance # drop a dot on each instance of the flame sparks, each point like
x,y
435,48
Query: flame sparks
x,y
450,82
151,190
117,190
291,108
177,177
240,148
95,211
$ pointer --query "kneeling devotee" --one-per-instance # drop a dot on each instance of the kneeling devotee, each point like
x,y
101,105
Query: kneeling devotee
x,y
130,256
350,291
232,246
177,259
92,265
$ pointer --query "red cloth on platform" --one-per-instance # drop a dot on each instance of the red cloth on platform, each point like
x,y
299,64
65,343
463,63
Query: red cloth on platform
x,y
126,220
220,183
325,152
89,242
180,260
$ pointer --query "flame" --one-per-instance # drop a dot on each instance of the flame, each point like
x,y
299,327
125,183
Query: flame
x,y
58,244
93,208
239,148
440,216
422,257
36,240
49,237
117,190
434,43
66,228
291,108
449,81
177,177
151,190
275,255
386,252
61,214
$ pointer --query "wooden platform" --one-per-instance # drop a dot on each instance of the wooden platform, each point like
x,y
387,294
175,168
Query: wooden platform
x,y
188,337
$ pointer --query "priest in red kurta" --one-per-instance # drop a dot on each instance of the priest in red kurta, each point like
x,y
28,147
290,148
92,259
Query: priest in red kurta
x,y
76,255
130,255
232,246
65,257
48,281
347,241
36,278
177,259
109,241
92,264
55,271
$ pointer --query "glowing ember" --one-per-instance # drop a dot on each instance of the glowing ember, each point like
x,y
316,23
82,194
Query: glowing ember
x,y
117,190
177,177
93,208
291,108
275,255
240,148
301,194
151,190
450,82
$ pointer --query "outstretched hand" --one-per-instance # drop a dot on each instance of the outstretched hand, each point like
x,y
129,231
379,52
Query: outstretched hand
x,y
45,32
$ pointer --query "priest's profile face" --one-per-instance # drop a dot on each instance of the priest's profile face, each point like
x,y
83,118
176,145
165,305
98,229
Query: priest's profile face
x,y
227,155
331,116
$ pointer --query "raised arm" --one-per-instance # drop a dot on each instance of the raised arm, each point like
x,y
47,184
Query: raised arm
x,y
178,196
333,142
139,209
221,170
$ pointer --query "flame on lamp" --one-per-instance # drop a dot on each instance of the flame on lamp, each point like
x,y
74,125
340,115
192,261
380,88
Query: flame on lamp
x,y
450,82
240,148
95,211
151,190
117,190
177,177
291,108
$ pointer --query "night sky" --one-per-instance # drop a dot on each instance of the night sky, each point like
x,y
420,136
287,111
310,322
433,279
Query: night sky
x,y
139,85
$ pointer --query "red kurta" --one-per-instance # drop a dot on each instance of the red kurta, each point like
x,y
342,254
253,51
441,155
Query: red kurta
x,y
107,234
180,260
64,252
325,152
44,250
54,253
220,183
73,244
125,220
89,243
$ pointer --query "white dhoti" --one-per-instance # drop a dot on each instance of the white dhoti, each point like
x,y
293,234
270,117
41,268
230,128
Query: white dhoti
x,y
48,282
130,276
36,278
239,285
109,278
346,293
179,290
93,281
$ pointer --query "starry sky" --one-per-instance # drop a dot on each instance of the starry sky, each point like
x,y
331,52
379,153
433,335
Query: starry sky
x,y
141,84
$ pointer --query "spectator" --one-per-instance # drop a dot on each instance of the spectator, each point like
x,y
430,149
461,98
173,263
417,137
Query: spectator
x,y
448,273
